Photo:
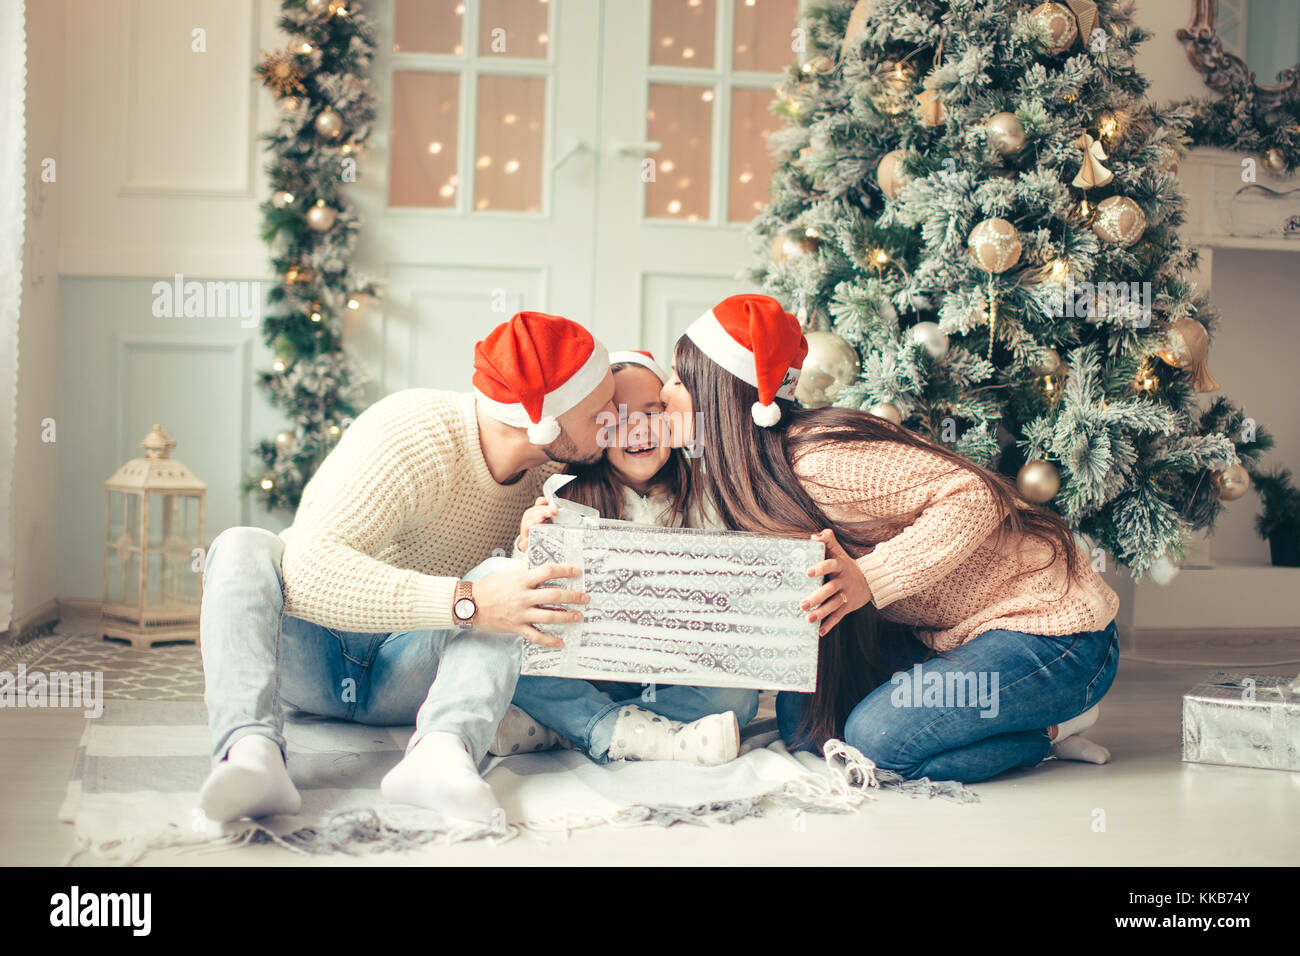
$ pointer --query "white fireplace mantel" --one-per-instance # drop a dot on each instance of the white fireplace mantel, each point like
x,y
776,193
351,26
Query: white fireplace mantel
x,y
1235,202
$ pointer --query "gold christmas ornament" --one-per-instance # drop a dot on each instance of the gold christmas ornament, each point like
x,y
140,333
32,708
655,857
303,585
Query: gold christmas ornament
x,y
320,217
888,411
1062,27
1187,346
930,108
994,245
830,366
857,20
1006,134
1047,363
890,175
1085,12
285,440
280,74
931,338
1275,161
329,124
1230,483
1119,220
1038,481
1091,173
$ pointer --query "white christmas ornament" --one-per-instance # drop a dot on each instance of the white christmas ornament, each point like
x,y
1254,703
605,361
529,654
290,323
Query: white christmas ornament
x,y
1162,570
928,335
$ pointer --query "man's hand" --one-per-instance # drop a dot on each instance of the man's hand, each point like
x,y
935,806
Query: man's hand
x,y
539,513
845,589
512,603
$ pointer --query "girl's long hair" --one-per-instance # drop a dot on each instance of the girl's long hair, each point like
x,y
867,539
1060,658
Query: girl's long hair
x,y
597,486
745,476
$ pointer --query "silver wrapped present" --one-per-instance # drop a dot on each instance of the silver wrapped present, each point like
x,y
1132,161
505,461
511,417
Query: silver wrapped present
x,y
678,605
1243,720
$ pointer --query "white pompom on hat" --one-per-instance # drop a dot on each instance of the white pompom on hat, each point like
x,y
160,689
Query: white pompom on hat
x,y
756,340
534,368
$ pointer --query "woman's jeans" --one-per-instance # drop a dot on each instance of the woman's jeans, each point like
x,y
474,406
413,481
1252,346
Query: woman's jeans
x,y
586,712
978,710
255,657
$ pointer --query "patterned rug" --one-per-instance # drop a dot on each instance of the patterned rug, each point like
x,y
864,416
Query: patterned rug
x,y
163,672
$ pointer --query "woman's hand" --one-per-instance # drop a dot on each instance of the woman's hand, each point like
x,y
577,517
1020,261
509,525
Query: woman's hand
x,y
845,589
537,514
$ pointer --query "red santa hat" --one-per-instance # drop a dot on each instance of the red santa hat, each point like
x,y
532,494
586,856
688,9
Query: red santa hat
x,y
533,369
757,341
638,357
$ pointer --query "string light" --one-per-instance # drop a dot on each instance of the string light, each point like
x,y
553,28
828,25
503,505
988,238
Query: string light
x,y
334,429
354,304
1060,269
880,257
305,48
278,365
267,484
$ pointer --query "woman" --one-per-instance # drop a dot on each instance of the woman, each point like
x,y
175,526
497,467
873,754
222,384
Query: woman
x,y
934,566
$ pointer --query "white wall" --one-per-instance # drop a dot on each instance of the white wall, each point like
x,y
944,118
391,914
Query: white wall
x,y
36,465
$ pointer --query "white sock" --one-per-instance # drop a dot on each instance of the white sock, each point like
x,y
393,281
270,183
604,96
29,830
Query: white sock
x,y
439,774
251,782
1081,749
1077,725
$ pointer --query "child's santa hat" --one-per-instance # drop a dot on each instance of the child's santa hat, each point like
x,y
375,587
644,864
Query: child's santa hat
x,y
638,357
533,369
757,341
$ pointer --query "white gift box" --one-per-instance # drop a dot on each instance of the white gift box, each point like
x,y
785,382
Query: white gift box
x,y
679,605
1243,720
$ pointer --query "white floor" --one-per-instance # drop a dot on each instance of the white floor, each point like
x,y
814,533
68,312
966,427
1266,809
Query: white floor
x,y
1144,808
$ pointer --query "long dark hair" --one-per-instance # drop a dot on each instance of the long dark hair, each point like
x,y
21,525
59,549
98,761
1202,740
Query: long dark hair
x,y
597,486
746,477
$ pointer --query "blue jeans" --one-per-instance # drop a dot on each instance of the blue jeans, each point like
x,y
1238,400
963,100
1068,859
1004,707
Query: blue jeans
x,y
256,658
585,712
980,709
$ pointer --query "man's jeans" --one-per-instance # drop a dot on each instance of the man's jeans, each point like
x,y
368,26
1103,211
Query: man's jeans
x,y
255,657
585,712
1040,680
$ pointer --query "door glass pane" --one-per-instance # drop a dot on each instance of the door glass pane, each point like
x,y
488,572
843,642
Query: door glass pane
x,y
681,118
751,166
762,35
514,28
428,26
682,32
423,140
508,149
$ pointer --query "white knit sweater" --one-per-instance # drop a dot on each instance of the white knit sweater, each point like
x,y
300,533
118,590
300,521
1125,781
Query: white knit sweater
x,y
397,512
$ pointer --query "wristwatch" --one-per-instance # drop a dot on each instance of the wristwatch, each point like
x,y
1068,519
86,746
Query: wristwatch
x,y
463,607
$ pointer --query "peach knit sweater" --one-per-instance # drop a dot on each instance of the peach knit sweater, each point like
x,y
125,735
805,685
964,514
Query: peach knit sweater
x,y
397,512
942,574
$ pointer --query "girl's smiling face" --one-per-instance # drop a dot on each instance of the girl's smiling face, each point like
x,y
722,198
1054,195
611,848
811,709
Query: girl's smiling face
x,y
638,450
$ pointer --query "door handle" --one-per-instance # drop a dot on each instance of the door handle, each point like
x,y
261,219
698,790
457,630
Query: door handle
x,y
578,146
639,149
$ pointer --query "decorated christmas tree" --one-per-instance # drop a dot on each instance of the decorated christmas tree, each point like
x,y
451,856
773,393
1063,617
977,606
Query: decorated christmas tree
x,y
327,105
975,213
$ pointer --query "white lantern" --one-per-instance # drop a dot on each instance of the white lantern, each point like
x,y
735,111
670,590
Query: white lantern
x,y
154,512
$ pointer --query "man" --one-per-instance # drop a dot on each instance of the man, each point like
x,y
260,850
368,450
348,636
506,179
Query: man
x,y
359,610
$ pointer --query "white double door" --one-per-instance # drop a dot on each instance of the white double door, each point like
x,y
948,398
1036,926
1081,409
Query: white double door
x,y
626,211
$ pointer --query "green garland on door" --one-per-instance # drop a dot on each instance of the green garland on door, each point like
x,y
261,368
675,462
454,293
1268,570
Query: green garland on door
x,y
327,107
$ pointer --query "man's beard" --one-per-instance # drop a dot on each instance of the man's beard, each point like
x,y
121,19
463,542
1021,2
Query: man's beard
x,y
564,450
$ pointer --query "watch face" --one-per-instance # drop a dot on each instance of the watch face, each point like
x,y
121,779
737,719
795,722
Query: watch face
x,y
465,609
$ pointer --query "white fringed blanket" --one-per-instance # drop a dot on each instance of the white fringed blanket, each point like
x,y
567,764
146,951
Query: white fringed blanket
x,y
135,788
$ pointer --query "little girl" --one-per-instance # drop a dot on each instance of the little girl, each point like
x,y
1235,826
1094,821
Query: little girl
x,y
640,479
